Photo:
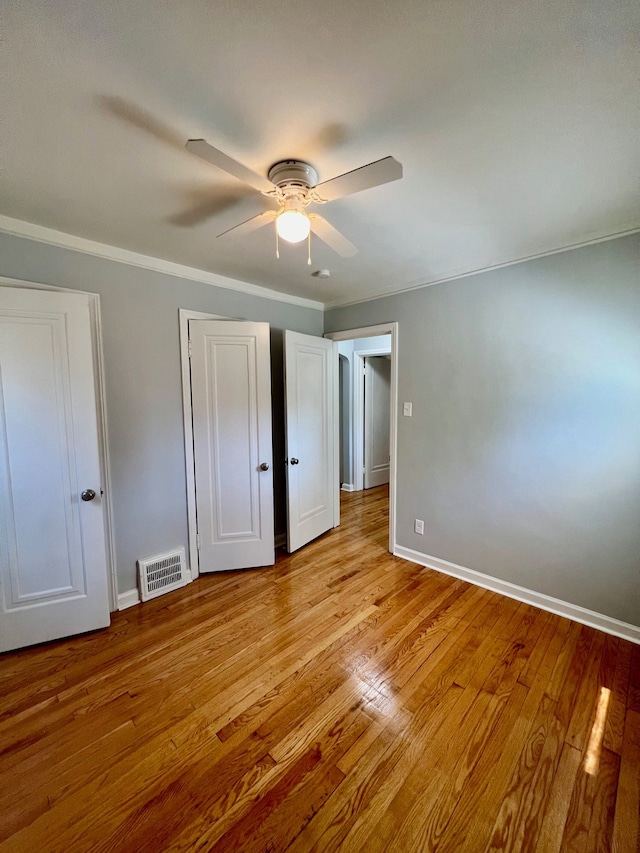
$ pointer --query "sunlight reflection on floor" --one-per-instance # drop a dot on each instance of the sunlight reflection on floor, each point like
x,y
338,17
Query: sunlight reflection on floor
x,y
592,757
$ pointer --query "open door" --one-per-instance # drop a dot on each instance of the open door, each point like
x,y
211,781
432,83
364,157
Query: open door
x,y
53,572
231,409
377,400
310,367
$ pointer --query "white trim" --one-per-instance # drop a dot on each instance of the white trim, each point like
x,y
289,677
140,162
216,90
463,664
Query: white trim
x,y
370,332
336,434
184,315
538,599
103,435
41,234
418,285
19,228
365,332
347,487
128,599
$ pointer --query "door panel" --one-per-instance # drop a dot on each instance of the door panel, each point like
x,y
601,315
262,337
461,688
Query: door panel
x,y
231,405
377,403
309,392
52,547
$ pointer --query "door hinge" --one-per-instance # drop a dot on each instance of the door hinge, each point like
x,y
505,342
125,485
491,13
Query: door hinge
x,y
197,541
189,347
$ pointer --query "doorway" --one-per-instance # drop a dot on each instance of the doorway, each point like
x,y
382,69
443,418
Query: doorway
x,y
377,410
355,346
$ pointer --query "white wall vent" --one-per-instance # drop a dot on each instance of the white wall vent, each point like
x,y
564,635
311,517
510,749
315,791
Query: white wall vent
x,y
162,573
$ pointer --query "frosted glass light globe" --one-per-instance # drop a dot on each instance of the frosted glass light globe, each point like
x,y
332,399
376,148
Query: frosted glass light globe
x,y
293,226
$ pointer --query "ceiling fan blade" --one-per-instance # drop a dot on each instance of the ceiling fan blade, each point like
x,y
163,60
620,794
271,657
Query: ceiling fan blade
x,y
379,172
331,236
201,148
243,204
252,224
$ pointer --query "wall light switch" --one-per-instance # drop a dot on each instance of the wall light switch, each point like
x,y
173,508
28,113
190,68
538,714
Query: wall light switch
x,y
407,409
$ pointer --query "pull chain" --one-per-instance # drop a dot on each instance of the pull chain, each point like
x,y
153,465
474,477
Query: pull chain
x,y
309,257
277,246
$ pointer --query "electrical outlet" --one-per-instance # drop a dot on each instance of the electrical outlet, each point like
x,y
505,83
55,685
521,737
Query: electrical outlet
x,y
418,526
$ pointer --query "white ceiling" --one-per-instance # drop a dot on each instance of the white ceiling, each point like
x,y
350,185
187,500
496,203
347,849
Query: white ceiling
x,y
517,123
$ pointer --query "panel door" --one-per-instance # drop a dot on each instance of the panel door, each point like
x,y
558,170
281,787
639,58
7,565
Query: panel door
x,y
53,571
310,436
231,406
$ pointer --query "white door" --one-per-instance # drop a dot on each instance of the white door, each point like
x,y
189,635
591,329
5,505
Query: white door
x,y
377,403
231,406
310,366
53,571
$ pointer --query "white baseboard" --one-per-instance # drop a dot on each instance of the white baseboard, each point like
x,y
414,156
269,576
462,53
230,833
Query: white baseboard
x,y
528,596
348,487
280,540
128,599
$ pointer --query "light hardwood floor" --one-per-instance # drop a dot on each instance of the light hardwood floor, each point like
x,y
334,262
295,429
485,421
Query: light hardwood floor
x,y
341,700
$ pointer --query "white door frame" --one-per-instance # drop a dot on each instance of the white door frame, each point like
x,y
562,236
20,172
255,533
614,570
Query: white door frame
x,y
370,332
101,417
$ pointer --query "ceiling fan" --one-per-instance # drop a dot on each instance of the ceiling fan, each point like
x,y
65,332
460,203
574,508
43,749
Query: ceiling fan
x,y
293,186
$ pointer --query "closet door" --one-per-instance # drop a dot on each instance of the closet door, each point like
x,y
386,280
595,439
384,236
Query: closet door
x,y
231,408
53,572
310,367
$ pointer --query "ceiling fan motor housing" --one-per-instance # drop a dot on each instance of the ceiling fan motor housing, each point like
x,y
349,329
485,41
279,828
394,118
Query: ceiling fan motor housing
x,y
293,173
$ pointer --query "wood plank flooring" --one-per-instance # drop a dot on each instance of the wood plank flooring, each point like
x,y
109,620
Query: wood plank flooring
x,y
342,700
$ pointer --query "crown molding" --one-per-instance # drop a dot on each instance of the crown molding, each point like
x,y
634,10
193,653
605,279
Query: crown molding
x,y
381,294
41,234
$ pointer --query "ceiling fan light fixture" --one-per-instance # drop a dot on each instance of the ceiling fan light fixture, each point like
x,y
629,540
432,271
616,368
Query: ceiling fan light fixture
x,y
293,224
293,186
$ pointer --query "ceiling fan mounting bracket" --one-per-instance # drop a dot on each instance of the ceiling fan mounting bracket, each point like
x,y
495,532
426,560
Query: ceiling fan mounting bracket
x,y
293,173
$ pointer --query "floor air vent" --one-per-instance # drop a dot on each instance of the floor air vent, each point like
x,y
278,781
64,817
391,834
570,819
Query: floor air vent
x,y
162,573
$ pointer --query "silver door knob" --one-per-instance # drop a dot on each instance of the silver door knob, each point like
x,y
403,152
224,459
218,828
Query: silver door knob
x,y
88,495
294,461
264,466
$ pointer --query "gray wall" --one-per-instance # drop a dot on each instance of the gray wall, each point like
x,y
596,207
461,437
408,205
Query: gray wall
x,y
523,452
143,383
